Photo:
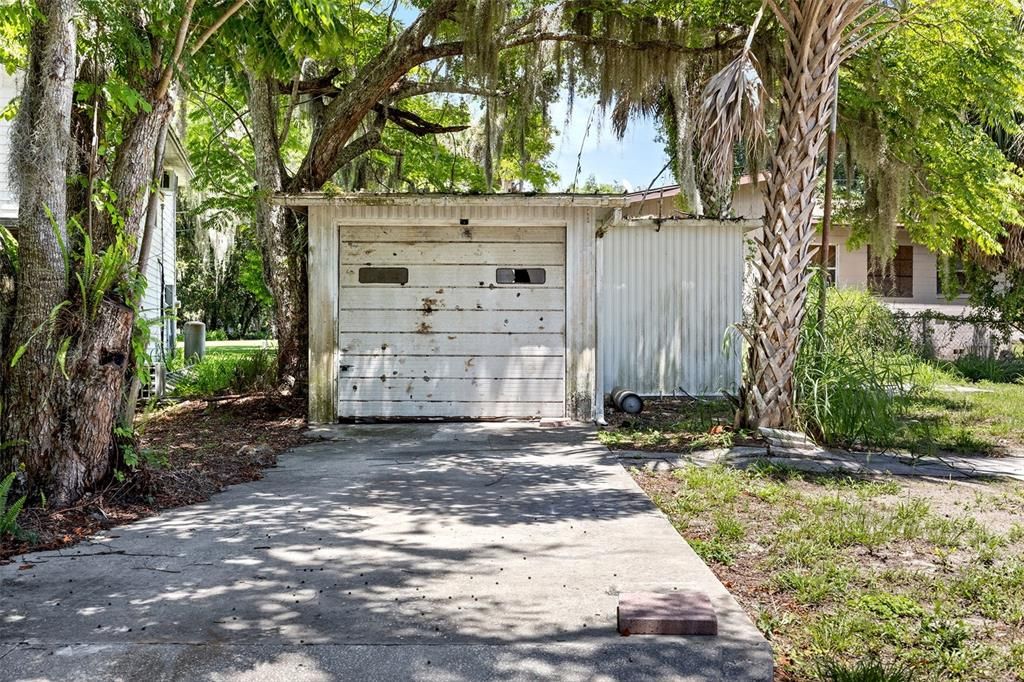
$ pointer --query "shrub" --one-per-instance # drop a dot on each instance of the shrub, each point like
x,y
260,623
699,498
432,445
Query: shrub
x,y
852,373
996,370
228,374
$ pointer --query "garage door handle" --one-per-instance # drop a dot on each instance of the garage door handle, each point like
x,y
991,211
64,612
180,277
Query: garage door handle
x,y
345,368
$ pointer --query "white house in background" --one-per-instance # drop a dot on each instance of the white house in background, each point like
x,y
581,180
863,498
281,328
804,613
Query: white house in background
x,y
159,300
913,283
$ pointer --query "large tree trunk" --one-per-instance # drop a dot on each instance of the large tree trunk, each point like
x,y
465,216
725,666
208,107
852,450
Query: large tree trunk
x,y
96,369
41,141
283,237
283,240
99,359
60,411
814,35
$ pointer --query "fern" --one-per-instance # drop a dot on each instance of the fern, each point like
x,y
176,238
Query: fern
x,y
9,516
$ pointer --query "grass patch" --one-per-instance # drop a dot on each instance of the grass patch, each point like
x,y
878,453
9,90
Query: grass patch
x,y
863,386
987,421
862,578
230,370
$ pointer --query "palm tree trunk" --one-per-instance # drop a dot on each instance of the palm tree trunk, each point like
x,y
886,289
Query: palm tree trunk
x,y
814,41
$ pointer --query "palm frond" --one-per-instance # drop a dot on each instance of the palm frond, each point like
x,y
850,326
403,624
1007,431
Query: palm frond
x,y
732,110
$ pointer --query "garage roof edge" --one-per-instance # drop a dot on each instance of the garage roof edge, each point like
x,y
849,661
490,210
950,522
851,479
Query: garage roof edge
x,y
408,199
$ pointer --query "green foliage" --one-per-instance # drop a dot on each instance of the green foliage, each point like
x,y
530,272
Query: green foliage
x,y
866,670
132,456
232,374
997,370
852,372
592,186
9,515
916,108
996,287
277,36
111,272
15,20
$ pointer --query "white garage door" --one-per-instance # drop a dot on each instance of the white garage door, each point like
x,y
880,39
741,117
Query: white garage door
x,y
462,321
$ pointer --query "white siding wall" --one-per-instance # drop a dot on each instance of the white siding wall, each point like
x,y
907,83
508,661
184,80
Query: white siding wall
x,y
161,270
667,300
852,265
8,203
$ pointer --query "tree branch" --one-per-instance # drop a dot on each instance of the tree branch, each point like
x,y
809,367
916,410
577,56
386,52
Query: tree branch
x,y
634,45
292,103
415,124
179,47
407,89
215,26
359,146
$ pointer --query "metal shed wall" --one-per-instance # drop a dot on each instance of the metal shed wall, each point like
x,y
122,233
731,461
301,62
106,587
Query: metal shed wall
x,y
668,297
326,217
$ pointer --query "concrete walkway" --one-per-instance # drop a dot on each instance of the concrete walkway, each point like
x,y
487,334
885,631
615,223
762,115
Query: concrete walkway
x,y
392,552
837,461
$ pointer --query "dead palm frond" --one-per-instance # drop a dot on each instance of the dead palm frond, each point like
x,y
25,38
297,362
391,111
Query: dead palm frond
x,y
731,112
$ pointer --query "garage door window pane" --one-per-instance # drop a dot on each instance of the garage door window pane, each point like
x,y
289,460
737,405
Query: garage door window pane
x,y
383,275
521,276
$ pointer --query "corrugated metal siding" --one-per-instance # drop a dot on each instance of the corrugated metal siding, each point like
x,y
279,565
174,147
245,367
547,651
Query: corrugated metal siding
x,y
667,300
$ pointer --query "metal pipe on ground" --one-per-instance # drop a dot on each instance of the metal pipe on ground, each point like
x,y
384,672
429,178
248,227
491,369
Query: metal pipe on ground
x,y
627,401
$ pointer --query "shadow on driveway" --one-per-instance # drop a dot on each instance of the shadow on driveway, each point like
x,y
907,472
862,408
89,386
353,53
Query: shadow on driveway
x,y
453,551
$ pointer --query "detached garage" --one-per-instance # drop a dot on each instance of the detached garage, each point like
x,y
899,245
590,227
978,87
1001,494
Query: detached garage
x,y
466,307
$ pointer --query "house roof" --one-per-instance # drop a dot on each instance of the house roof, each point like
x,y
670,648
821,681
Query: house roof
x,y
406,199
175,155
652,193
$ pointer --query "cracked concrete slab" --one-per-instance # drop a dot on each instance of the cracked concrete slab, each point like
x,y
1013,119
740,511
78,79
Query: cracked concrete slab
x,y
821,460
426,552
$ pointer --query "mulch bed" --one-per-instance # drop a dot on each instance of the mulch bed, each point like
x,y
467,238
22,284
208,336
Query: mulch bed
x,y
686,423
204,446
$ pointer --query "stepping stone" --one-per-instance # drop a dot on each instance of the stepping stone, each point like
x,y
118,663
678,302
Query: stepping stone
x,y
685,612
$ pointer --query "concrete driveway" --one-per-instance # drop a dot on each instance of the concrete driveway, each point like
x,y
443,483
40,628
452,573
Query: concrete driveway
x,y
390,552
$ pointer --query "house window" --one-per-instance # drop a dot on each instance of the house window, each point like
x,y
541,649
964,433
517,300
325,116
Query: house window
x,y
894,279
831,271
520,276
956,272
383,275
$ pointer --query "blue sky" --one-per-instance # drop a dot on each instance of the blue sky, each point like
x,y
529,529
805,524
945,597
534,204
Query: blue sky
x,y
634,161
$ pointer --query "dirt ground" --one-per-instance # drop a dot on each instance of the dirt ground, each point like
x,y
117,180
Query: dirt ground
x,y
189,451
